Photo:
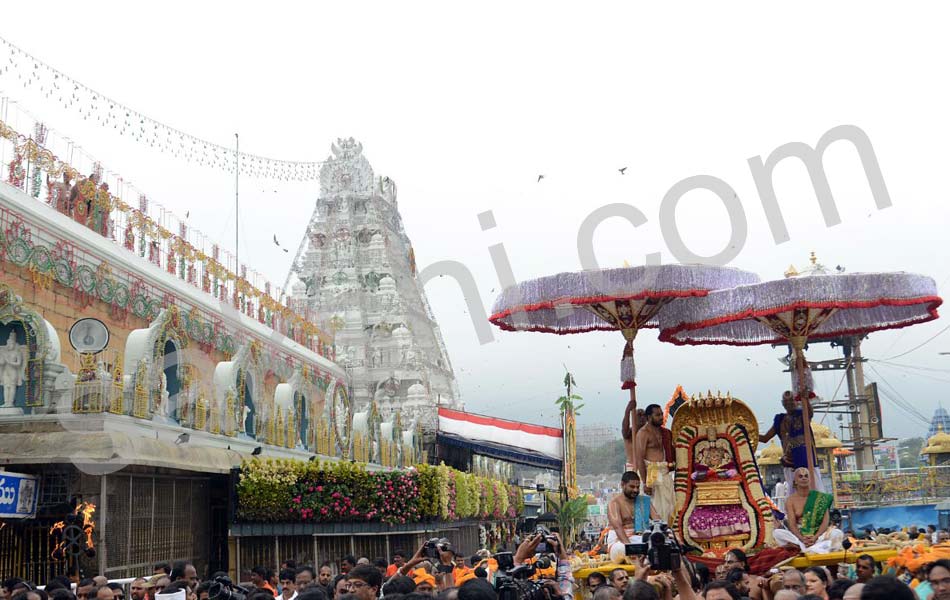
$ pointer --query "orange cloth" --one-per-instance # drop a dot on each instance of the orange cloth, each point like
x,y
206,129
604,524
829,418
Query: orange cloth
x,y
420,575
462,574
548,573
391,570
267,586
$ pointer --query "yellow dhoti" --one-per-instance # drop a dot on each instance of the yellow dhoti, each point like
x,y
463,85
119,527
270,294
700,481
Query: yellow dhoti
x,y
660,480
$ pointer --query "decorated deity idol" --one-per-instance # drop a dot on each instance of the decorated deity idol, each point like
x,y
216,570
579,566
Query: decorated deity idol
x,y
713,458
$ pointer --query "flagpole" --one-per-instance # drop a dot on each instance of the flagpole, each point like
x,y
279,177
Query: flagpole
x,y
237,228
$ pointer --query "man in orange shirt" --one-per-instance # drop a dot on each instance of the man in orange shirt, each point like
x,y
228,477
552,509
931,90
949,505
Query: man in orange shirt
x,y
461,573
260,577
399,559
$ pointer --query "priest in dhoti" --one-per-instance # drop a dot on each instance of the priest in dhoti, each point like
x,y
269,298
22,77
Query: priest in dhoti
x,y
808,521
655,462
628,514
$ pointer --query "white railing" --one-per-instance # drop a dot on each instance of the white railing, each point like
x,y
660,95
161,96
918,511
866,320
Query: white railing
x,y
886,486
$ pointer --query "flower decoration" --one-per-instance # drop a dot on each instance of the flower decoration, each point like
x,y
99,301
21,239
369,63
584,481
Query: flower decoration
x,y
342,492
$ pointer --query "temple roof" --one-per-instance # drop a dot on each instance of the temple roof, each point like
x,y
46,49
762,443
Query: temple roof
x,y
823,436
939,443
771,454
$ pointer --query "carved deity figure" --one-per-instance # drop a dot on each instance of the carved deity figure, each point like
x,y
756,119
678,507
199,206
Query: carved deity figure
x,y
162,408
12,366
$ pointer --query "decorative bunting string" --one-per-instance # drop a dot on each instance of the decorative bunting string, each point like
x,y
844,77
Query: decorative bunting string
x,y
17,65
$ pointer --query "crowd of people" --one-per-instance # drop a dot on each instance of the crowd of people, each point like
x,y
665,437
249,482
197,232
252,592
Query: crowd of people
x,y
444,574
429,573
732,580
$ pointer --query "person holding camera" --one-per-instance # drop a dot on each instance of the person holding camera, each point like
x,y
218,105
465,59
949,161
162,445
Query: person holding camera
x,y
439,552
564,577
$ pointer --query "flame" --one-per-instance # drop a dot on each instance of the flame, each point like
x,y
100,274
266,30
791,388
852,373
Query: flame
x,y
87,509
82,518
56,532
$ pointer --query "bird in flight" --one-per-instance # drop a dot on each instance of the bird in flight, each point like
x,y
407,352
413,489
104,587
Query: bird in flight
x,y
622,170
276,243
540,177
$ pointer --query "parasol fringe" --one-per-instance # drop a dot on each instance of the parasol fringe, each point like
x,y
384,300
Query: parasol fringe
x,y
558,303
864,302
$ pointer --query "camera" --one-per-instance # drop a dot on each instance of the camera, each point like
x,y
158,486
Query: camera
x,y
436,545
510,588
548,541
660,548
505,560
225,589
517,584
636,549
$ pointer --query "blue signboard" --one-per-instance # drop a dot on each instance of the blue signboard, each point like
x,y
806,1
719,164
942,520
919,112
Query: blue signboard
x,y
18,495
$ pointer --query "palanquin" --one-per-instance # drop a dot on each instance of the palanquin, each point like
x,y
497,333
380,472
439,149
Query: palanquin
x,y
720,499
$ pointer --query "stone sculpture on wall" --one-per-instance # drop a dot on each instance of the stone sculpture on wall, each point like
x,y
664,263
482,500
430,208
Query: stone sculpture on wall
x,y
12,368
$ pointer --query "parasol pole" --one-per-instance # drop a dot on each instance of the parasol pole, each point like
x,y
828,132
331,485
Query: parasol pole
x,y
798,344
633,422
628,376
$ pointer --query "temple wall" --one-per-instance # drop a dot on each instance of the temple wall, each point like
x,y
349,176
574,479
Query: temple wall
x,y
62,308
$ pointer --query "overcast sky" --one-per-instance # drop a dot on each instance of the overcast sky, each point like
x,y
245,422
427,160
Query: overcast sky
x,y
464,108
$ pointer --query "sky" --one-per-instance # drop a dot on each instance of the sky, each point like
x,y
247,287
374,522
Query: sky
x,y
465,105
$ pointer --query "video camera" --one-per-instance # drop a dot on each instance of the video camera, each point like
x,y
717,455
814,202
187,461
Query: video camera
x,y
515,583
225,589
660,548
436,545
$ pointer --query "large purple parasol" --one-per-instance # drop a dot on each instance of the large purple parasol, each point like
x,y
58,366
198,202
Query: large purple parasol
x,y
625,300
798,309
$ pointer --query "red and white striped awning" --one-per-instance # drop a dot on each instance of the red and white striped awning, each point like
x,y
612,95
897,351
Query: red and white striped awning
x,y
547,441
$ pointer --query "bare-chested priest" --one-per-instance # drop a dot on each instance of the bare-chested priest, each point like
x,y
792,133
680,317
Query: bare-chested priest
x,y
655,462
628,514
